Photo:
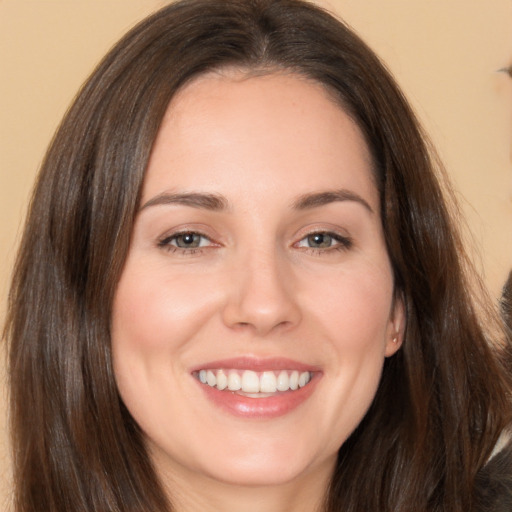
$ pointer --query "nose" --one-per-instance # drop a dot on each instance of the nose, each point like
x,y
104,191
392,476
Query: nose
x,y
262,295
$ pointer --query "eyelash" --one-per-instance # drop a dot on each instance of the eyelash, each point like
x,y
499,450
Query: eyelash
x,y
166,243
342,243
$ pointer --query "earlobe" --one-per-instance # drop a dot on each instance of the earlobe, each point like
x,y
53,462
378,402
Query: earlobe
x,y
396,326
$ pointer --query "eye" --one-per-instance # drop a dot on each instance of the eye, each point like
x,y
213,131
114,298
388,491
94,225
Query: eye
x,y
185,241
324,240
318,240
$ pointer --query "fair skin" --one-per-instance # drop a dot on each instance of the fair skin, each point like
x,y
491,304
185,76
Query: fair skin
x,y
257,251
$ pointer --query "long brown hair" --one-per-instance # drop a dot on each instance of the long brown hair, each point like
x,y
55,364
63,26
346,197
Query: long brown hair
x,y
437,413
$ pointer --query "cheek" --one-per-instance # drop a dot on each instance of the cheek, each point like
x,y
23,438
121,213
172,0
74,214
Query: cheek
x,y
353,305
354,312
154,319
156,312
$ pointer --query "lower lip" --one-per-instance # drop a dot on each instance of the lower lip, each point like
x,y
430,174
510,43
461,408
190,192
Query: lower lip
x,y
259,408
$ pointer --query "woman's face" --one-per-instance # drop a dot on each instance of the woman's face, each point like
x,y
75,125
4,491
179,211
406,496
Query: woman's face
x,y
255,308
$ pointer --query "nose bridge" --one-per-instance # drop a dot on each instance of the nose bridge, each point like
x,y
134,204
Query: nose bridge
x,y
261,294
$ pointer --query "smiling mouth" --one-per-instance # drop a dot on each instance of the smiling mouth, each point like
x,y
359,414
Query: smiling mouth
x,y
254,384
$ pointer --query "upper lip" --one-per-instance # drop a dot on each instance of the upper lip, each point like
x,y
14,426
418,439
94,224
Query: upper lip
x,y
256,364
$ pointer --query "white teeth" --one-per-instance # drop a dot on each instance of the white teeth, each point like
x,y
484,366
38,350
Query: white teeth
x,y
283,381
234,381
294,380
211,380
303,379
252,382
268,383
222,380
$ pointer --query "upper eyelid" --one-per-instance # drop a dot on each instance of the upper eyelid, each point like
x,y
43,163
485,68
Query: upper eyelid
x,y
176,234
329,230
322,231
336,236
189,228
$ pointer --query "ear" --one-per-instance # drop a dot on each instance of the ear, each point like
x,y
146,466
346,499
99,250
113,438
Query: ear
x,y
396,328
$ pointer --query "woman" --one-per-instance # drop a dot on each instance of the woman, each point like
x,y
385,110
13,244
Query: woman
x,y
239,287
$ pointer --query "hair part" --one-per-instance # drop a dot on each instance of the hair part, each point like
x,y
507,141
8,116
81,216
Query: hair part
x,y
436,415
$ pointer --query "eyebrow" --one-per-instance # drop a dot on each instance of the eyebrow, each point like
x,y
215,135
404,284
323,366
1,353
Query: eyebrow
x,y
213,202
217,202
316,199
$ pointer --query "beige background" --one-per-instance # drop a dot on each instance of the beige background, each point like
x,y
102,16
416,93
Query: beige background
x,y
444,53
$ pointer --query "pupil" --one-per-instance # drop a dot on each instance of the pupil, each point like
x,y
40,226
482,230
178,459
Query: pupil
x,y
320,240
188,240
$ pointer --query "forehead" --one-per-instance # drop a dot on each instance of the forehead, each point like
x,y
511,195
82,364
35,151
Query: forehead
x,y
260,131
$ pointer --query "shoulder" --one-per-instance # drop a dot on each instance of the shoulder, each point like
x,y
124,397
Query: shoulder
x,y
494,480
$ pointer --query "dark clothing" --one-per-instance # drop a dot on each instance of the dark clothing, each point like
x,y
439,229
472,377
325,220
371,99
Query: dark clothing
x,y
494,483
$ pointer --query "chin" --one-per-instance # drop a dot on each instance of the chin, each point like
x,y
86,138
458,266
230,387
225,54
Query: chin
x,y
276,462
257,473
